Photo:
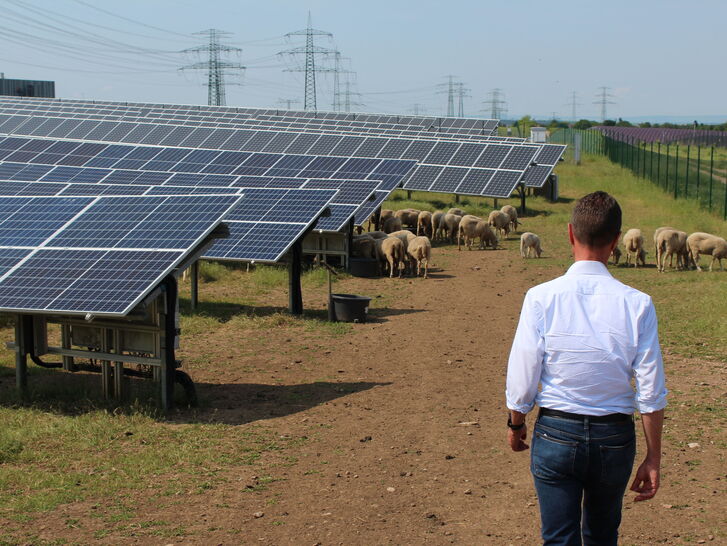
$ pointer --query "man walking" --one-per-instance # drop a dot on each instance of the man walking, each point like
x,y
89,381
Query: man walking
x,y
583,337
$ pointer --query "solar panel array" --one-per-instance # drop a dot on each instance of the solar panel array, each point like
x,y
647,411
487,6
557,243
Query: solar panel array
x,y
507,160
99,255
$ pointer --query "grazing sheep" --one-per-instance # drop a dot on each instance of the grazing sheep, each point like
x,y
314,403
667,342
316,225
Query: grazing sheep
x,y
391,253
383,216
512,213
530,241
706,243
437,219
364,247
420,251
406,236
424,223
668,243
408,217
471,228
633,241
616,254
451,225
391,224
458,212
500,221
376,234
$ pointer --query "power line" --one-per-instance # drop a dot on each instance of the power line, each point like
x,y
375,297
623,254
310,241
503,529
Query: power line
x,y
288,103
88,5
310,50
215,66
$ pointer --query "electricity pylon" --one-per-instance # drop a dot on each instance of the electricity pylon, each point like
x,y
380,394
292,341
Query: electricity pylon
x,y
451,89
214,66
310,50
288,103
574,104
603,99
495,105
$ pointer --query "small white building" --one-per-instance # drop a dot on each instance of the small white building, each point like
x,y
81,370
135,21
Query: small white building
x,y
538,135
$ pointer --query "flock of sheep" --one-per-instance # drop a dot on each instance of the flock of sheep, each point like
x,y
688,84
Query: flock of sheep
x,y
670,242
397,249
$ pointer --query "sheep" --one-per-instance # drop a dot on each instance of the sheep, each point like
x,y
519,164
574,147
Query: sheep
x,y
384,215
391,253
420,250
633,241
451,225
472,227
373,234
500,221
458,212
705,243
364,247
530,241
408,217
616,255
512,213
437,219
424,222
406,236
670,242
391,224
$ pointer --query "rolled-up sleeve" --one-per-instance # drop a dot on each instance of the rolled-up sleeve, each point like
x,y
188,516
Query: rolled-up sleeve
x,y
526,358
648,366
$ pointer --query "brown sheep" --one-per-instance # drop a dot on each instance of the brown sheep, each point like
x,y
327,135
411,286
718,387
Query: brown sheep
x,y
420,250
451,225
408,217
458,212
391,224
512,213
437,220
383,216
424,223
472,227
364,247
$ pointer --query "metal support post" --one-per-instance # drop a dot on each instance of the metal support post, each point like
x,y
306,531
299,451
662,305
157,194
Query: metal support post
x,y
711,176
456,198
521,189
686,177
658,165
295,293
676,173
194,288
651,162
21,355
168,361
666,173
699,169
408,194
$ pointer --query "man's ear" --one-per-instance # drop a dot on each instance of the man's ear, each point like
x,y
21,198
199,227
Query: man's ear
x,y
571,237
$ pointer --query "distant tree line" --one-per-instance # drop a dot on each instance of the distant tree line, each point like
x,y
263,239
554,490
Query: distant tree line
x,y
587,124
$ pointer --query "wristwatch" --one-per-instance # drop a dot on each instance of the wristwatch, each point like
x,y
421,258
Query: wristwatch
x,y
514,427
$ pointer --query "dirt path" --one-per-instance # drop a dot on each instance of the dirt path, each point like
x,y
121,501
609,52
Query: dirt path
x,y
411,448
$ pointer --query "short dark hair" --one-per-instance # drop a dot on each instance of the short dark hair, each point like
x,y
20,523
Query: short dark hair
x,y
596,219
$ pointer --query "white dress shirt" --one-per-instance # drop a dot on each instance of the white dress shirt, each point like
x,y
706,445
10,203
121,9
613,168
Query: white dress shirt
x,y
583,337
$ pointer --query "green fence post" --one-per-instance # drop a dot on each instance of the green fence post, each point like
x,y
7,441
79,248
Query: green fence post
x,y
666,171
676,172
711,177
699,170
686,177
658,164
651,162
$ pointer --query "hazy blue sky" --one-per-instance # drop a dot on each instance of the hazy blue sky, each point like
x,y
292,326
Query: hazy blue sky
x,y
658,57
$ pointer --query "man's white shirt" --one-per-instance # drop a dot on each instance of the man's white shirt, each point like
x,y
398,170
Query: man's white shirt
x,y
583,337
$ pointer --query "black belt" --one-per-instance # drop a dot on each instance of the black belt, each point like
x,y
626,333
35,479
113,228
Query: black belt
x,y
610,418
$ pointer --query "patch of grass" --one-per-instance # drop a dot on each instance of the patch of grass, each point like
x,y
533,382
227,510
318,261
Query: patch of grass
x,y
212,271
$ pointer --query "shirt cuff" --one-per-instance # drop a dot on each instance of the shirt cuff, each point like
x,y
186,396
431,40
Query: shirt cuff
x,y
652,406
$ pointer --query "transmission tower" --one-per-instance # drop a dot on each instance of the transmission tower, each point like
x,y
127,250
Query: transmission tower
x,y
288,103
214,66
603,98
573,103
310,50
462,92
337,71
418,109
451,88
347,94
495,105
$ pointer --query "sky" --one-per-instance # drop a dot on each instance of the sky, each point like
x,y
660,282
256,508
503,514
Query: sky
x,y
658,59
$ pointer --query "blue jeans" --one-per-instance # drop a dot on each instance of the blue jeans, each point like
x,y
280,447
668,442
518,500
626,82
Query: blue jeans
x,y
581,470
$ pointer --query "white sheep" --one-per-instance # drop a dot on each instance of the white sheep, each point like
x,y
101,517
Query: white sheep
x,y
437,220
668,243
457,211
451,225
391,253
530,241
512,213
706,243
424,223
500,221
408,217
420,250
633,241
472,227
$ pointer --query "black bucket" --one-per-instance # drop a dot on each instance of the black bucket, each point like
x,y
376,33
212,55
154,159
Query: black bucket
x,y
349,308
363,267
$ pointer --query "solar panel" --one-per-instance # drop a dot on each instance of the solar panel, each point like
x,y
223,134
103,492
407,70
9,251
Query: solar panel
x,y
89,264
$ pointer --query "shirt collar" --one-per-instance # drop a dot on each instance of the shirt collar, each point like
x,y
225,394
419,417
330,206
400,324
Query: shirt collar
x,y
588,267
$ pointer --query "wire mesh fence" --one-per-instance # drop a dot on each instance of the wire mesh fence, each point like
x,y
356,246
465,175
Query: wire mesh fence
x,y
683,171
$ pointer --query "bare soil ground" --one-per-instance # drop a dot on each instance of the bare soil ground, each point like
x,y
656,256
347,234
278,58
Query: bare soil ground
x,y
401,428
